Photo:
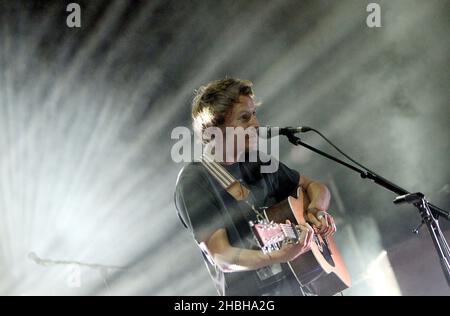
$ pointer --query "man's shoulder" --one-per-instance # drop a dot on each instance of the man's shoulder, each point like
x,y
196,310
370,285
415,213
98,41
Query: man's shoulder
x,y
192,172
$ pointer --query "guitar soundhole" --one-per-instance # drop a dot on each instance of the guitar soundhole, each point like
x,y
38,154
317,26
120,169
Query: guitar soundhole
x,y
322,245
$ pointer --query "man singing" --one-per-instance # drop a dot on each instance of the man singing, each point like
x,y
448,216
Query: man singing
x,y
220,224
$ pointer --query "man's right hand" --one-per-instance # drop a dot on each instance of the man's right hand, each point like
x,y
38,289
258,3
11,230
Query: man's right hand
x,y
232,259
290,252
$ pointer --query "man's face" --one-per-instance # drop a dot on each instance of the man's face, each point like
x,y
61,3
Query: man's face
x,y
243,114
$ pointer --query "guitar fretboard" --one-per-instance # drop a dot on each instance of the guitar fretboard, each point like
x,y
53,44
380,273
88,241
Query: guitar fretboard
x,y
288,231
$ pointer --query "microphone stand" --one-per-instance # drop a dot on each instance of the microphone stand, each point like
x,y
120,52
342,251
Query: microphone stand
x,y
429,213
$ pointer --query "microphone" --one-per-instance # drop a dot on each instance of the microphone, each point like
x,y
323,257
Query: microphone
x,y
294,130
409,198
272,131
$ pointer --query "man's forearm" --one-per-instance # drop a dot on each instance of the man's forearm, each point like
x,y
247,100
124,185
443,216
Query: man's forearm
x,y
239,259
319,195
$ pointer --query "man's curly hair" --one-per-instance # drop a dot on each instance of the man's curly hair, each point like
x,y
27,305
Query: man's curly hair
x,y
212,103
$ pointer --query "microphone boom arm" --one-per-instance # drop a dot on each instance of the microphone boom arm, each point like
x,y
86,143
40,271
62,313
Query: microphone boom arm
x,y
429,213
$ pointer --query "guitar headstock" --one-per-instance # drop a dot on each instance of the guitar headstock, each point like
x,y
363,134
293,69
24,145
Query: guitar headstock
x,y
270,236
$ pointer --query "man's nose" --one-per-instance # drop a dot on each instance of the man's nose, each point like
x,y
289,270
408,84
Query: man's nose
x,y
254,123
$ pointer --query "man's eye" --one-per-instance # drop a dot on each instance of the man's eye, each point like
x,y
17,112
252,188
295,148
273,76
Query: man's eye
x,y
246,117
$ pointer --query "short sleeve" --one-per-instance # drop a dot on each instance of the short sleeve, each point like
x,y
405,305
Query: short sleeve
x,y
197,203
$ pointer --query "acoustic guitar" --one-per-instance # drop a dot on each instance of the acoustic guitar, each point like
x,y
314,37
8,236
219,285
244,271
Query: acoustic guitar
x,y
322,269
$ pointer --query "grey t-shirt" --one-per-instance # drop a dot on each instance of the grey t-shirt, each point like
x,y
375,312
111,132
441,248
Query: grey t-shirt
x,y
204,206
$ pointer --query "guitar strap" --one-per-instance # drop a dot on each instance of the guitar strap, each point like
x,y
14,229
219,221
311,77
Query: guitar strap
x,y
241,194
238,191
229,183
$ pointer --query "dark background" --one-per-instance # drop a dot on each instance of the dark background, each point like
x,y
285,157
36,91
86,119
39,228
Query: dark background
x,y
86,117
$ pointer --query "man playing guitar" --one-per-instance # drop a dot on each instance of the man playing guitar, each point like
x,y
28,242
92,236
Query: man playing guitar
x,y
219,223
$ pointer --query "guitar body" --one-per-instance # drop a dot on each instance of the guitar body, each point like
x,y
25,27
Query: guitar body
x,y
322,268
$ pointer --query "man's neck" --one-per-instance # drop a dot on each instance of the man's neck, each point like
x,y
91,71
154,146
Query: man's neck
x,y
229,162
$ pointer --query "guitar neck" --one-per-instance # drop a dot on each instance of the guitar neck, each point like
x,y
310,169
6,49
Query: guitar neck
x,y
289,231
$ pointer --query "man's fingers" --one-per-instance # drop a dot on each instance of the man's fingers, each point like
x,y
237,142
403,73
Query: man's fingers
x,y
331,227
323,227
305,236
312,218
309,237
331,224
324,223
